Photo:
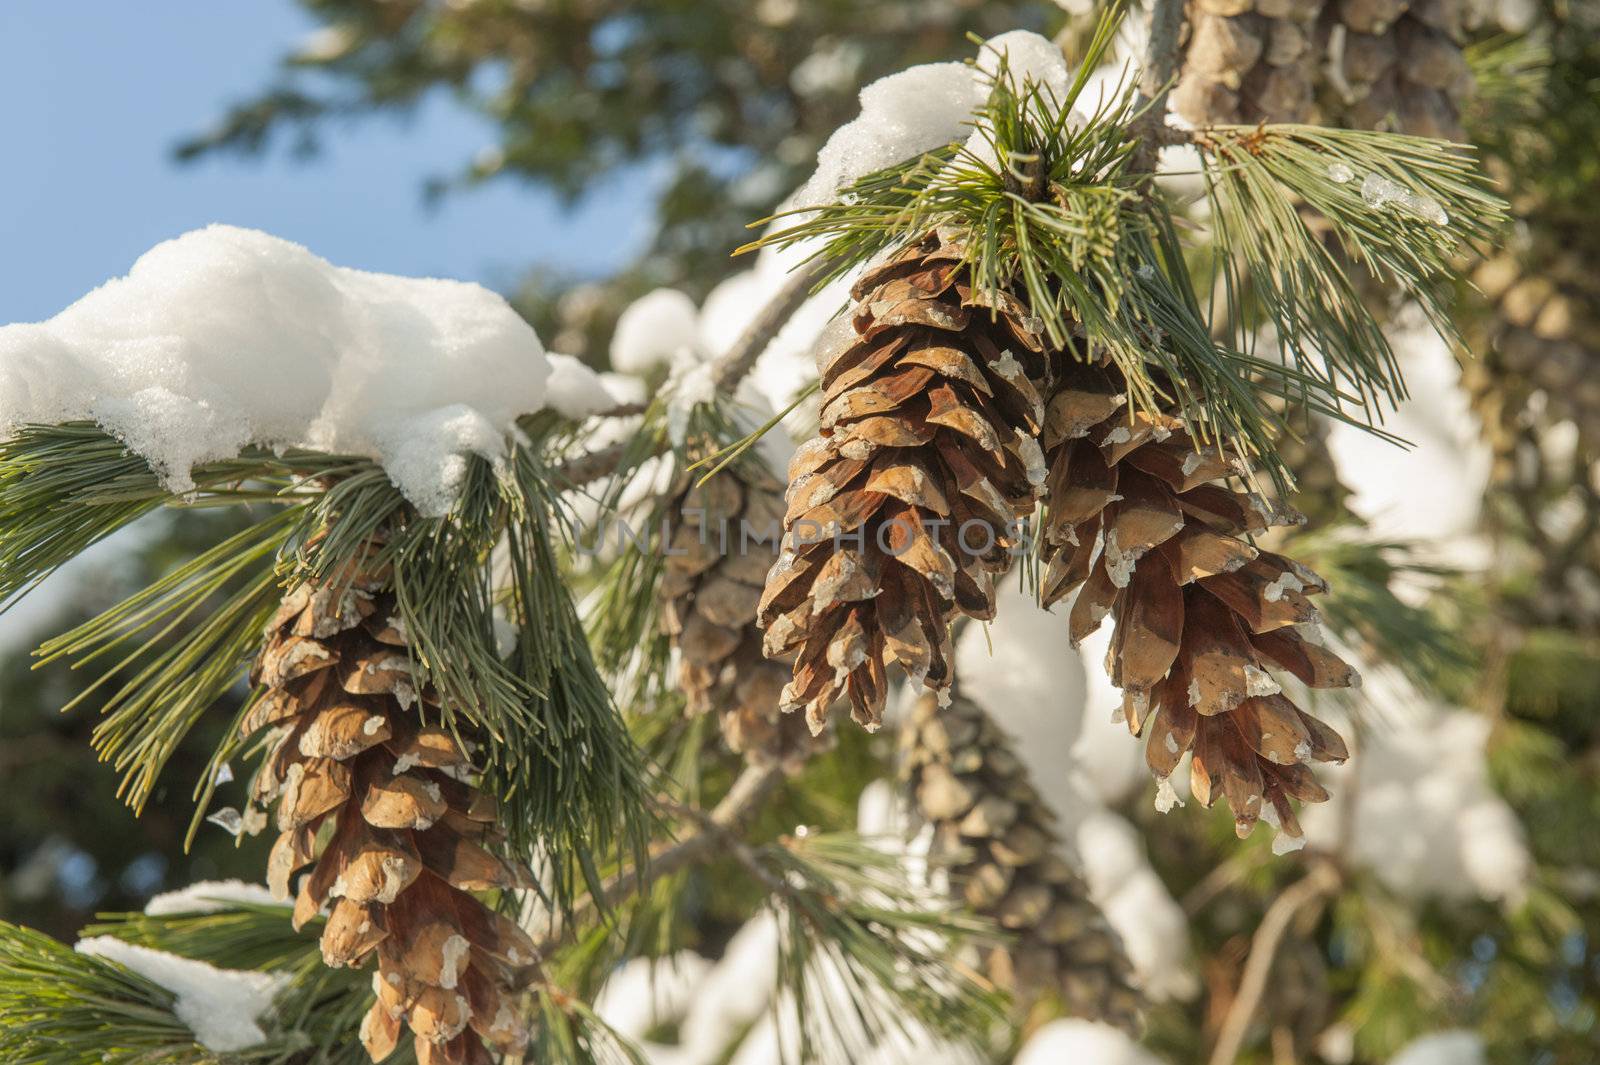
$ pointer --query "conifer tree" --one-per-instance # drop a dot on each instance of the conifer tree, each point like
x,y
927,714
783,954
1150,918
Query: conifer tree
x,y
487,797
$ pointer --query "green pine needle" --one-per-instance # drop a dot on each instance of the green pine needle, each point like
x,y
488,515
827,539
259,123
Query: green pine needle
x,y
1053,210
555,750
865,955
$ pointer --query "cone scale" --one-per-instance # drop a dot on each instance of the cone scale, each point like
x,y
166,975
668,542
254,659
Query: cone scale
x,y
377,820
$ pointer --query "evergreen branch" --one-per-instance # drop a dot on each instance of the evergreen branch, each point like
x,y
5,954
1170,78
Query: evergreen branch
x,y
1161,56
557,752
60,1007
239,936
1363,610
730,816
186,648
864,954
1399,206
568,1032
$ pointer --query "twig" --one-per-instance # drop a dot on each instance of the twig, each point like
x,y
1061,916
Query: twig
x,y
729,369
732,366
728,818
1160,68
1320,882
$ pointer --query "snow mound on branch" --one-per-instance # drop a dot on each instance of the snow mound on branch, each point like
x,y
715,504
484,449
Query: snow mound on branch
x,y
1432,491
658,328
225,337
646,993
1060,1042
223,1007
1456,1047
210,896
1427,821
926,107
576,391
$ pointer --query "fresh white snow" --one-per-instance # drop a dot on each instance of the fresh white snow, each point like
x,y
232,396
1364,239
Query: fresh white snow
x,y
926,107
1427,822
1454,1047
223,1007
1073,1041
210,896
659,328
225,337
576,391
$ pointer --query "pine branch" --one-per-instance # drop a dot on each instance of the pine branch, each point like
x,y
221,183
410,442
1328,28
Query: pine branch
x,y
729,817
60,1007
864,955
727,371
1161,58
1400,207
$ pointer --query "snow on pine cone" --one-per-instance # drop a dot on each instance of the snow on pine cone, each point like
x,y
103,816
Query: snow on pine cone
x,y
720,539
987,818
376,804
1249,61
904,509
1139,526
1398,64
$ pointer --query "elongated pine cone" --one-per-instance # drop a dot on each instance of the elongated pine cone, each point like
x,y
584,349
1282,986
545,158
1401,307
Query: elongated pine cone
x,y
987,818
376,803
902,511
1397,65
1249,61
1138,524
1538,366
721,537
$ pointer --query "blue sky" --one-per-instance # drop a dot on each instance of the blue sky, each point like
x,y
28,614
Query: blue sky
x,y
92,97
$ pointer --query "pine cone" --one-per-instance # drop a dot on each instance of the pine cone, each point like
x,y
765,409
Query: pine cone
x,y
987,817
1538,366
376,803
1398,65
902,511
1249,61
1137,526
721,536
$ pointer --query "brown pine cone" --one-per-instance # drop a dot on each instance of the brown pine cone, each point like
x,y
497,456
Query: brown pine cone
x,y
988,819
377,804
902,511
1398,65
1137,524
1538,366
721,537
1249,61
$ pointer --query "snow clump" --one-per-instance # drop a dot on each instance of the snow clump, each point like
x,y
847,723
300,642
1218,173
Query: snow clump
x,y
210,896
926,107
226,337
223,1007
